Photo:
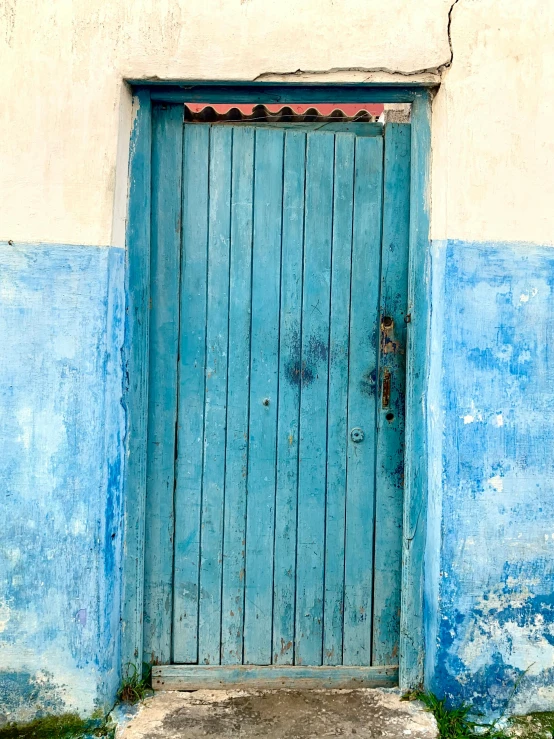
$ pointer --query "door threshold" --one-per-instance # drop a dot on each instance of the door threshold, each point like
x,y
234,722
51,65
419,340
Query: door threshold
x,y
214,677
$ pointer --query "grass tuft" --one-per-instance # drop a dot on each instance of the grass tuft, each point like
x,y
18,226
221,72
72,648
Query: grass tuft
x,y
455,723
135,685
67,726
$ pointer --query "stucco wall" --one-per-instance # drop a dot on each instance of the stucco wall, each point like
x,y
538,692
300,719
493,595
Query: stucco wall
x,y
493,149
61,322
63,66
66,118
490,611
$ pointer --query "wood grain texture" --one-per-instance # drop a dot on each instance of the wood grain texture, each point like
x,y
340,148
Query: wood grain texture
x,y
264,388
412,615
167,143
181,677
412,644
359,129
264,92
389,477
215,404
278,363
364,311
236,466
192,366
284,580
136,387
313,398
339,347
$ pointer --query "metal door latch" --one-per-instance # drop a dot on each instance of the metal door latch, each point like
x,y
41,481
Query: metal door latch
x,y
386,389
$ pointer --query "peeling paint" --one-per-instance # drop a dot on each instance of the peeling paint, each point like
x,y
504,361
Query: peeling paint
x,y
61,471
495,615
497,483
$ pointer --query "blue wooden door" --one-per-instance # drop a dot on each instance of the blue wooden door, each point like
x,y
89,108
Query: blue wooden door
x,y
274,513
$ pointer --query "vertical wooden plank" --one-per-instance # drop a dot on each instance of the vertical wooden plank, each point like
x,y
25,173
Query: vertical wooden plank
x,y
289,398
167,144
313,400
338,398
264,365
215,407
136,390
190,422
237,396
412,643
389,478
364,337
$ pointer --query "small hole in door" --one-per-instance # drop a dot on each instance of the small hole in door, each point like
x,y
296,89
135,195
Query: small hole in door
x,y
390,416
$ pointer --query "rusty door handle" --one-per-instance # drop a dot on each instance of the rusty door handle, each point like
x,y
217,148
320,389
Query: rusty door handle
x,y
385,395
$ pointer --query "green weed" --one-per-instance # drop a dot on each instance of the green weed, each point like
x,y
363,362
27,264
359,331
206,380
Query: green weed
x,y
538,725
455,723
135,685
67,726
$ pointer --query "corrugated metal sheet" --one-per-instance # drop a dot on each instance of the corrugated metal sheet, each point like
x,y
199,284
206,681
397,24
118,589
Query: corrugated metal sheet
x,y
200,113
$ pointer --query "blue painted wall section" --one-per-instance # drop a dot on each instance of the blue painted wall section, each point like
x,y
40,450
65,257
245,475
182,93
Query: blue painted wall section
x,y
61,440
490,611
490,532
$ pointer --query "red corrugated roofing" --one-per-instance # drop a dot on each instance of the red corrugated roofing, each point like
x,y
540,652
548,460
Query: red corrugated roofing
x,y
350,110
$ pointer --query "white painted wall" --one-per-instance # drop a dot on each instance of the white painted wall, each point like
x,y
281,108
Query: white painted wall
x,y
65,107
493,125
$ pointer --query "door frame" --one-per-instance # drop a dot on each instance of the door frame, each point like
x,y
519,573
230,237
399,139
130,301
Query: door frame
x,y
136,356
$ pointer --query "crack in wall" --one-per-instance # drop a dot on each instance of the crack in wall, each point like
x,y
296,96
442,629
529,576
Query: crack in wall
x,y
363,70
437,70
449,34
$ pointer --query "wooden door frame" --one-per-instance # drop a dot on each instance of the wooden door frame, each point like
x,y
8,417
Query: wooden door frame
x,y
412,641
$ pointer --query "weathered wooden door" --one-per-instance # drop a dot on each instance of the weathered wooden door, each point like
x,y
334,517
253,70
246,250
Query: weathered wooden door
x,y
276,395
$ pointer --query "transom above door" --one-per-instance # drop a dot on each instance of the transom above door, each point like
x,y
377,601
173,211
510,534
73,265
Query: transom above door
x,y
276,398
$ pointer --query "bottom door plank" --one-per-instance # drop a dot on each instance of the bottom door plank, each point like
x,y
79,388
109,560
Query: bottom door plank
x,y
212,677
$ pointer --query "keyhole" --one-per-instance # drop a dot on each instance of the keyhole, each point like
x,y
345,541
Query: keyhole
x,y
266,401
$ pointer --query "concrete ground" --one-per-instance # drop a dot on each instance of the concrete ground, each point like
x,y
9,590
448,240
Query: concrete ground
x,y
280,714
